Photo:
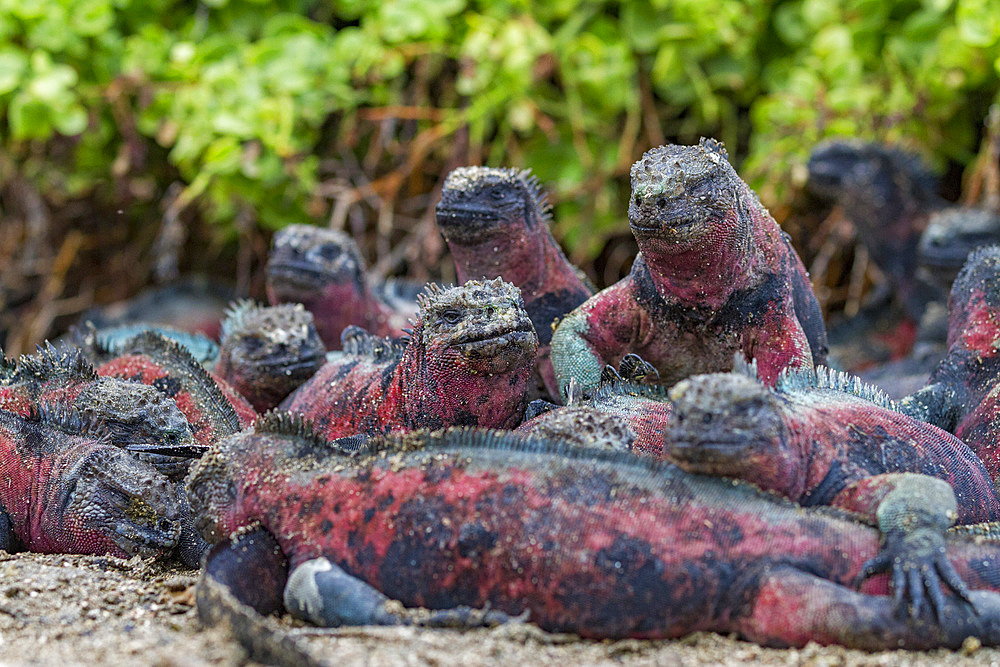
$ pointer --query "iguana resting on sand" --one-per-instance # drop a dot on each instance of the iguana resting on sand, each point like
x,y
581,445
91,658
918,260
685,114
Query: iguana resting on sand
x,y
468,362
602,544
496,223
963,394
267,352
210,405
323,270
65,489
715,275
820,439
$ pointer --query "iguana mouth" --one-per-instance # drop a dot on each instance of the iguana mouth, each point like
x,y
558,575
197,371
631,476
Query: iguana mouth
x,y
148,540
520,332
690,452
304,274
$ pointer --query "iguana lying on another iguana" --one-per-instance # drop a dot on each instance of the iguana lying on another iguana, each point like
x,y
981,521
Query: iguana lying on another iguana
x,y
602,544
715,275
468,361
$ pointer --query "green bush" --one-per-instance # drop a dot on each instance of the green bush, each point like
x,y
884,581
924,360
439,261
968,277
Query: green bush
x,y
253,104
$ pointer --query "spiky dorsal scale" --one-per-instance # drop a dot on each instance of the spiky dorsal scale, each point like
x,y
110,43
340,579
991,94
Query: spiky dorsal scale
x,y
67,419
538,198
68,365
307,440
356,341
235,316
794,380
160,349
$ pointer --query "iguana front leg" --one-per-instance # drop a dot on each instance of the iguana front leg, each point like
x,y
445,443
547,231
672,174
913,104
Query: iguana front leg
x,y
599,332
322,593
777,342
913,513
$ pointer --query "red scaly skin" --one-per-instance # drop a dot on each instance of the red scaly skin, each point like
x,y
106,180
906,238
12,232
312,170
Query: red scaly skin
x,y
496,223
212,408
963,394
468,362
599,545
54,491
715,275
810,443
323,270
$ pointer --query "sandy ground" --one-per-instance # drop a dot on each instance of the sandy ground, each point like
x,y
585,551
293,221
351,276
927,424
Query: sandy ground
x,y
77,610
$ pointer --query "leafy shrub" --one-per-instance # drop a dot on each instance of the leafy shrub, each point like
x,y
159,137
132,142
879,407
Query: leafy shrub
x,y
265,108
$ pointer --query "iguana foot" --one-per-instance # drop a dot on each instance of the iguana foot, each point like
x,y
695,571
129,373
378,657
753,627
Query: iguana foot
x,y
918,563
322,593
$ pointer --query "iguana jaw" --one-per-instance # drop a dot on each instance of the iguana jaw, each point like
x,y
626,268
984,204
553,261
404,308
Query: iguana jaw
x,y
480,203
133,506
306,258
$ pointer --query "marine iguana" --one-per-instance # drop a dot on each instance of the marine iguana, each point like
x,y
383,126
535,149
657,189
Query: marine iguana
x,y
952,234
267,352
496,223
468,361
601,544
64,488
820,439
623,413
715,275
212,408
324,270
963,393
138,418
888,194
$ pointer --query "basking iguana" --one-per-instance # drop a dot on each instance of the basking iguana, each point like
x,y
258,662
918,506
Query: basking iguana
x,y
267,352
324,270
138,418
715,275
496,223
822,438
212,408
597,543
623,412
468,361
64,488
963,393
952,235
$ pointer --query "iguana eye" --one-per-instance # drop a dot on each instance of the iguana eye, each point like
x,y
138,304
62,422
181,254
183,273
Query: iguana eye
x,y
452,316
706,418
661,202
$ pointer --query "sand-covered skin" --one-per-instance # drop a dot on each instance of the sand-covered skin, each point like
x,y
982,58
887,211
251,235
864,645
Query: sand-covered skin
x,y
77,610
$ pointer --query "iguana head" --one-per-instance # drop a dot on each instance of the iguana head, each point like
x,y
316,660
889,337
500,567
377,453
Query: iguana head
x,y
682,194
952,235
480,326
868,179
107,501
730,425
481,203
135,413
305,259
268,351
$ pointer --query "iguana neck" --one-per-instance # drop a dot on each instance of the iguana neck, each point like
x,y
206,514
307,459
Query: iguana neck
x,y
519,254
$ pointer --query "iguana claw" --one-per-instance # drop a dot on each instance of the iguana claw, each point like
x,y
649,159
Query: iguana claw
x,y
917,563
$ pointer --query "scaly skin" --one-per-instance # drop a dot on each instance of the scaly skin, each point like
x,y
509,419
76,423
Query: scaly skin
x,y
65,489
496,223
817,441
963,393
601,544
212,408
623,413
468,362
133,414
100,345
267,352
323,270
715,275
